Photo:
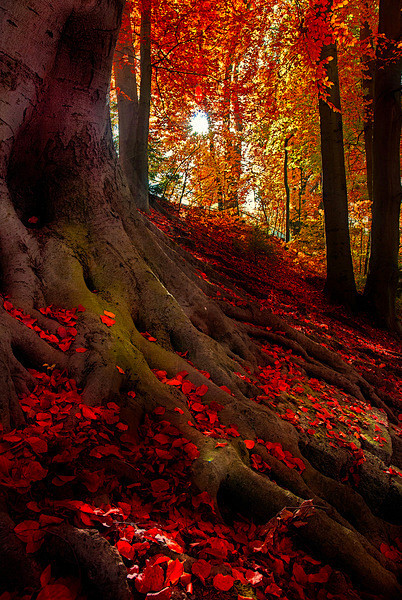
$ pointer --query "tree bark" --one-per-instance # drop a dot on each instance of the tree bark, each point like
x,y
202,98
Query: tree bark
x,y
340,284
287,189
368,97
383,275
134,108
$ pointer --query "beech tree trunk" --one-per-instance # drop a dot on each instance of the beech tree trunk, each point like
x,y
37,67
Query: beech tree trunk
x,y
340,283
383,275
287,190
70,236
368,87
134,108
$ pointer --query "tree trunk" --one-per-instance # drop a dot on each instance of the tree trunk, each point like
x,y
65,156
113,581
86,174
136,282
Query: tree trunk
x,y
368,87
70,237
340,284
383,275
127,95
287,189
133,110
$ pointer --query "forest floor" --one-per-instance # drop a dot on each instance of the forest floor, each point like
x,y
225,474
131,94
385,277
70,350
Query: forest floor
x,y
175,541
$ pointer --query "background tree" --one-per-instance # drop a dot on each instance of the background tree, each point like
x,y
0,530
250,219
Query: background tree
x,y
133,107
383,275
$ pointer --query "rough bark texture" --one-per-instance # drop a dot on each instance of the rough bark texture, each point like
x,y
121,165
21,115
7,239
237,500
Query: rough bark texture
x,y
383,275
89,246
340,283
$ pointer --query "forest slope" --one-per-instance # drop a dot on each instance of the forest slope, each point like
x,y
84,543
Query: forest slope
x,y
136,491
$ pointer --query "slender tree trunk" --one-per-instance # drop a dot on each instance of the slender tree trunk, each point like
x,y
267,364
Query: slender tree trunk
x,y
287,189
383,275
134,109
127,95
368,87
340,284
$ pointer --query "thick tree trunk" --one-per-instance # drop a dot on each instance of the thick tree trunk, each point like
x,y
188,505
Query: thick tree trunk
x,y
340,283
383,275
70,236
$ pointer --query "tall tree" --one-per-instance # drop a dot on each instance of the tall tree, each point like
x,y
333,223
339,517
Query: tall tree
x,y
383,275
133,107
340,283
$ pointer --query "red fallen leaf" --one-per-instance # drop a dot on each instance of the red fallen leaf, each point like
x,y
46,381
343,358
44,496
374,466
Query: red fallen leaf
x,y
107,320
87,412
150,580
253,577
122,426
223,582
80,308
273,589
240,597
390,553
225,389
164,594
56,591
202,569
29,532
33,220
191,450
125,549
201,390
198,407
92,479
203,498
131,393
109,314
187,387
239,575
120,370
159,485
37,444
299,574
185,578
179,410
60,480
249,444
7,306
322,576
163,454
162,439
46,575
174,546
174,571
81,349
62,332
33,506
221,444
34,471
160,410
45,520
